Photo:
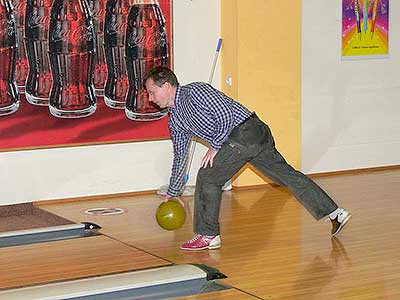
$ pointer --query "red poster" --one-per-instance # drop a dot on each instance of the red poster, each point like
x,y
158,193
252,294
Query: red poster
x,y
33,126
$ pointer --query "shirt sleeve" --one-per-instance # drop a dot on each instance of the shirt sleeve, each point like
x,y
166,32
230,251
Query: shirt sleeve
x,y
216,104
181,143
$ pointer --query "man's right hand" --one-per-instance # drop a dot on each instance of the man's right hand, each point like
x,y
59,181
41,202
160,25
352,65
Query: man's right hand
x,y
168,197
208,158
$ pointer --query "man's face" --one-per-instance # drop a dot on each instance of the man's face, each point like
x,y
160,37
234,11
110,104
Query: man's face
x,y
159,95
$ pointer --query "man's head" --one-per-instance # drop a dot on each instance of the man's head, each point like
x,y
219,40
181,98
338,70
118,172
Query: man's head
x,y
161,84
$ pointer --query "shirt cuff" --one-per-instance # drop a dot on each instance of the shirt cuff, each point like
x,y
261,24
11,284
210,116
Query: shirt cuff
x,y
173,193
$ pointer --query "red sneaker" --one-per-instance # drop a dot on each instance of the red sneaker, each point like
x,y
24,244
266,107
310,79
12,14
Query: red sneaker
x,y
200,242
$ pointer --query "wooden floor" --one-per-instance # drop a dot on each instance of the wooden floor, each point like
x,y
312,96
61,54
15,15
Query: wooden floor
x,y
272,248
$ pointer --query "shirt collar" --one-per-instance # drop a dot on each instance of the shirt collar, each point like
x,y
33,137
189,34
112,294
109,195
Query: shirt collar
x,y
177,98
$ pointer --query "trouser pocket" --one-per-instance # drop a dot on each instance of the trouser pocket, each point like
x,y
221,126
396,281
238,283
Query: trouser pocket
x,y
252,132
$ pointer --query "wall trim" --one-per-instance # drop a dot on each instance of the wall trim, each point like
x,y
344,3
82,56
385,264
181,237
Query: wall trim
x,y
235,188
354,171
92,198
324,174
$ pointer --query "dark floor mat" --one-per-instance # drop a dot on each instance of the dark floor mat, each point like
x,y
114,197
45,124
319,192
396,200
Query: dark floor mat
x,y
27,216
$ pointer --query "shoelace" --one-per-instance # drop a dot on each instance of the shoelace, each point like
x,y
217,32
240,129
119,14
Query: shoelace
x,y
195,238
199,236
329,218
340,212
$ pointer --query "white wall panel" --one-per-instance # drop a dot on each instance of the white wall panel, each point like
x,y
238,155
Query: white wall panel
x,y
107,169
351,109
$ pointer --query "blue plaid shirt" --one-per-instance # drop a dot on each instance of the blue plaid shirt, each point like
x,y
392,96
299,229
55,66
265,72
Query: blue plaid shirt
x,y
204,112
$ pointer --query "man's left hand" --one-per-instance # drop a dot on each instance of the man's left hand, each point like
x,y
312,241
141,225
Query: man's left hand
x,y
208,159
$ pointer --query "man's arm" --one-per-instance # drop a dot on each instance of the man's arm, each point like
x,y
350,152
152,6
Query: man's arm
x,y
181,142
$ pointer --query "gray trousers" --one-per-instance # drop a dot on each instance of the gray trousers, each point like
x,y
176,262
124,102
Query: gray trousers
x,y
252,142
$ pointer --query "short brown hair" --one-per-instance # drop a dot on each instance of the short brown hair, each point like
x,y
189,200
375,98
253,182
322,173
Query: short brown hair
x,y
161,75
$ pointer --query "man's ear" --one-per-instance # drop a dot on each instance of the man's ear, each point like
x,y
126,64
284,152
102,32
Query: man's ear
x,y
167,85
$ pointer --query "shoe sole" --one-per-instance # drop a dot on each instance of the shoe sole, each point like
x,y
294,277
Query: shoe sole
x,y
342,224
214,247
203,248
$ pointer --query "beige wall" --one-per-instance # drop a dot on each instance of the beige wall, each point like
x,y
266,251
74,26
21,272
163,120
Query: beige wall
x,y
262,54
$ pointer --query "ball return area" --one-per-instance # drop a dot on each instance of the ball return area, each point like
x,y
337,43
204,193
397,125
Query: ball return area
x,y
149,284
47,234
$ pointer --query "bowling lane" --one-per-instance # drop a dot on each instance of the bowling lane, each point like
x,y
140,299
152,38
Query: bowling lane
x,y
69,259
137,226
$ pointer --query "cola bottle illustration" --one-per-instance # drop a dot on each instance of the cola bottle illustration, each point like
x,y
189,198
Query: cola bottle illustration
x,y
9,97
117,85
71,53
39,81
100,67
146,47
21,69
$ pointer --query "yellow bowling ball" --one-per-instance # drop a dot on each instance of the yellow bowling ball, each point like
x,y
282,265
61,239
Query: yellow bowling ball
x,y
170,215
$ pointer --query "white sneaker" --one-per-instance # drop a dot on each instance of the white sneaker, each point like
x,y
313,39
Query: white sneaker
x,y
339,221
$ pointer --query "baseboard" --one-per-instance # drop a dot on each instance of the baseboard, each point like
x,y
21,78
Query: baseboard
x,y
253,186
236,188
92,198
324,174
355,171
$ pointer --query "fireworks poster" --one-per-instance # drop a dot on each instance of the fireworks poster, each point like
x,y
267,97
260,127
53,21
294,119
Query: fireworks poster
x,y
365,29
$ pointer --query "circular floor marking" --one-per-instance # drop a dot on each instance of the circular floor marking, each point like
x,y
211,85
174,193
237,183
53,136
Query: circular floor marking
x,y
104,211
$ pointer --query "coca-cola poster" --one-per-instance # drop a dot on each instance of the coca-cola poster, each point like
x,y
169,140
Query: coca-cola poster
x,y
72,71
